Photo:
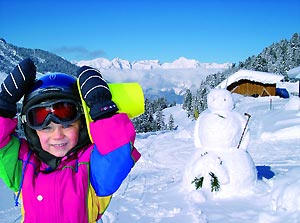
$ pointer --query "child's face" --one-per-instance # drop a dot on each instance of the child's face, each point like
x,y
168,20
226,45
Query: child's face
x,y
57,139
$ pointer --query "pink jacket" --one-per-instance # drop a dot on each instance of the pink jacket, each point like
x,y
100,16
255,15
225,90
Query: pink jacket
x,y
80,189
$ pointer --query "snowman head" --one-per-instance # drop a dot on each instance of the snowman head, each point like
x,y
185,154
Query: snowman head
x,y
219,100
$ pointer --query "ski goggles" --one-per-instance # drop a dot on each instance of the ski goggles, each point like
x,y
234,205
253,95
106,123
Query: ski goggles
x,y
61,111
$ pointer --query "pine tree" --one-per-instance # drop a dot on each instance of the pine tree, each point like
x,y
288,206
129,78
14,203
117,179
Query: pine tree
x,y
160,120
153,117
260,64
171,122
200,101
277,58
187,102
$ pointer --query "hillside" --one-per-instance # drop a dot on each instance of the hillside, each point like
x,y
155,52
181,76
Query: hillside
x,y
277,58
45,61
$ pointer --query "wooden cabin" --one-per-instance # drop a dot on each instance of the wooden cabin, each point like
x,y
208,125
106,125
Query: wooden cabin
x,y
252,83
252,88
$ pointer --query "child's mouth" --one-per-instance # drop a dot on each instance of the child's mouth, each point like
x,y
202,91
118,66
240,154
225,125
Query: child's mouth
x,y
60,145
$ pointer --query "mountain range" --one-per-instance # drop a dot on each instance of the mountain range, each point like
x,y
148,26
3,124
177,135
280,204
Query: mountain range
x,y
45,61
170,80
180,63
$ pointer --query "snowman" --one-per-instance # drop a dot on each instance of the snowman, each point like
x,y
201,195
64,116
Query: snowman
x,y
221,166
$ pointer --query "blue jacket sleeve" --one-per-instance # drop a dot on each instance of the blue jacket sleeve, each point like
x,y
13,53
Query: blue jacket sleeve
x,y
114,153
109,171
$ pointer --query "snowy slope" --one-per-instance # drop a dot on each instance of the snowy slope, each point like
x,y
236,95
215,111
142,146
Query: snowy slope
x,y
294,73
153,192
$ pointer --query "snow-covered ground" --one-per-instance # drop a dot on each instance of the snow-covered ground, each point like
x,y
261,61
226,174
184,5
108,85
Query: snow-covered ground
x,y
154,190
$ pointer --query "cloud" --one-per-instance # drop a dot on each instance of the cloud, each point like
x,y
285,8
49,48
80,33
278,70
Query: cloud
x,y
79,52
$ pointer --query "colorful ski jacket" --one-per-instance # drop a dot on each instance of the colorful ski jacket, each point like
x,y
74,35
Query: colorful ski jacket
x,y
80,189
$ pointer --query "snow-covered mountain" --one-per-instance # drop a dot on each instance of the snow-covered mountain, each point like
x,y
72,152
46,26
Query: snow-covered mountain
x,y
168,79
180,63
45,61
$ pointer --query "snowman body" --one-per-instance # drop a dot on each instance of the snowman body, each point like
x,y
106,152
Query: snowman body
x,y
221,150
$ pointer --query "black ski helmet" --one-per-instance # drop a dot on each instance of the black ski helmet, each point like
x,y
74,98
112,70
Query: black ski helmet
x,y
50,87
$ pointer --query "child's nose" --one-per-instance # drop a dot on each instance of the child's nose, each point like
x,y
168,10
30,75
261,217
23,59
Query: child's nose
x,y
58,132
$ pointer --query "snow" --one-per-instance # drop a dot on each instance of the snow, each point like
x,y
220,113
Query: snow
x,y
158,80
180,63
294,73
170,80
155,190
221,139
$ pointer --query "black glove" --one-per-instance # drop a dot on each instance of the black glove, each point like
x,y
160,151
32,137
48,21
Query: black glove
x,y
96,93
15,86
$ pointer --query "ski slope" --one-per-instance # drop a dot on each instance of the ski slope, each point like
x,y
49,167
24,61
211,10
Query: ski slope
x,y
154,190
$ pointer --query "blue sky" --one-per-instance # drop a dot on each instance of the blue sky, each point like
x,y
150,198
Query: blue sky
x,y
208,31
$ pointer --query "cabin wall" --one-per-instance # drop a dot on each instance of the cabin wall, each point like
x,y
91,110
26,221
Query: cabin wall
x,y
251,88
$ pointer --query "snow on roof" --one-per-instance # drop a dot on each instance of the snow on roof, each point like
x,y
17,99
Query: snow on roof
x,y
257,76
294,73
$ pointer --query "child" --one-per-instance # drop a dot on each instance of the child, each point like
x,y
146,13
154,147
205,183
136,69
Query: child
x,y
59,175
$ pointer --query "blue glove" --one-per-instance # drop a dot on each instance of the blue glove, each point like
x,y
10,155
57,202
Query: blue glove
x,y
15,86
96,93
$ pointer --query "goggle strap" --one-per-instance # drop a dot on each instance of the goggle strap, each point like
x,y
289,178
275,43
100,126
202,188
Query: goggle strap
x,y
23,118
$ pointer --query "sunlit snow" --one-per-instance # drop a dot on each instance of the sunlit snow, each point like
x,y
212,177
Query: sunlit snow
x,y
156,190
